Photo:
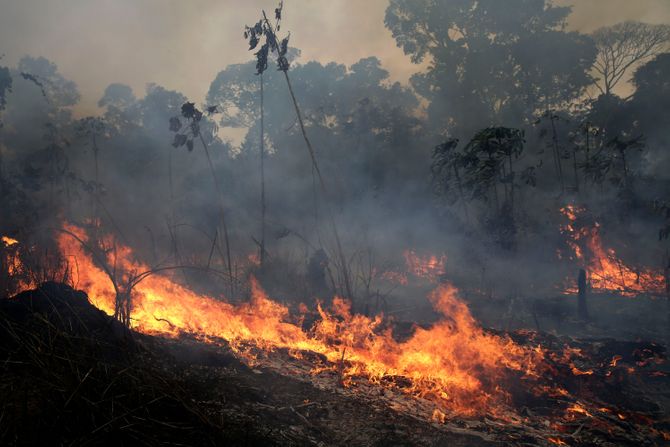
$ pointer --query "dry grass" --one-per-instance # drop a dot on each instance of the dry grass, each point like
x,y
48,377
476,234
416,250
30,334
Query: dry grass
x,y
72,376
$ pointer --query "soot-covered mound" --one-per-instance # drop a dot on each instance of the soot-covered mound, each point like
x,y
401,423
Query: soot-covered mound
x,y
71,375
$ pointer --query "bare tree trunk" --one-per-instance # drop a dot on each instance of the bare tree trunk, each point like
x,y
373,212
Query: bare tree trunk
x,y
511,185
557,153
460,193
226,239
315,165
263,206
582,285
340,251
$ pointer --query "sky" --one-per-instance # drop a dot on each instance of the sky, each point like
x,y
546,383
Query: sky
x,y
182,45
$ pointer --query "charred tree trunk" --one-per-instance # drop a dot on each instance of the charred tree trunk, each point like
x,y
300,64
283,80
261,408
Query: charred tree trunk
x,y
263,207
348,290
582,285
226,238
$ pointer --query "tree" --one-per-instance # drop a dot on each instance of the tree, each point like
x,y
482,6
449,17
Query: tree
x,y
59,91
649,110
92,128
487,170
624,45
193,128
118,102
5,86
490,62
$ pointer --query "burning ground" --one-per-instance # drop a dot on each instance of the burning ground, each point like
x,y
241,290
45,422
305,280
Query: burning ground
x,y
260,372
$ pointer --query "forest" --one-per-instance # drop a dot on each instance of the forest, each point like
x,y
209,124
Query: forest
x,y
319,255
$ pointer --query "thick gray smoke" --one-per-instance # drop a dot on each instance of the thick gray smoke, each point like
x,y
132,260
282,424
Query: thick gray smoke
x,y
499,225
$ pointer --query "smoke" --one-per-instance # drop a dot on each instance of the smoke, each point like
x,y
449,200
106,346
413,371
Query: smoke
x,y
182,45
373,144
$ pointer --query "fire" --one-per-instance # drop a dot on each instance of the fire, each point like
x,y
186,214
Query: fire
x,y
10,262
454,363
577,409
254,259
606,272
438,416
427,267
8,241
396,277
615,360
430,267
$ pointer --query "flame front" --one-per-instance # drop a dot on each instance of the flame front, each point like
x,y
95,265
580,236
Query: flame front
x,y
606,272
454,363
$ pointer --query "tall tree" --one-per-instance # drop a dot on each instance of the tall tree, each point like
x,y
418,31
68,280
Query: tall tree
x,y
624,45
490,61
649,110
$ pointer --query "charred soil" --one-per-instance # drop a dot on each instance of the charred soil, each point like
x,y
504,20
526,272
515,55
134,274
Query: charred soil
x,y
71,375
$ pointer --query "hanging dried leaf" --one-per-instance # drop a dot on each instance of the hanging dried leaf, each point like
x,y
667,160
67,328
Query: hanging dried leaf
x,y
262,59
179,140
253,42
188,110
175,124
282,64
284,45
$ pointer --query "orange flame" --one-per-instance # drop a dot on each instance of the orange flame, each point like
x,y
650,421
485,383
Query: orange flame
x,y
454,363
606,272
8,241
577,409
10,261
429,267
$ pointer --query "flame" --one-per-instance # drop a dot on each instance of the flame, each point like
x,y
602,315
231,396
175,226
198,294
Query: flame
x,y
615,360
438,416
606,271
8,241
454,363
429,267
254,259
578,372
396,277
578,409
10,260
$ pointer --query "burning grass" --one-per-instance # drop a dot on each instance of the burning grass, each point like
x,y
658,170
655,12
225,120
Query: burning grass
x,y
447,375
454,363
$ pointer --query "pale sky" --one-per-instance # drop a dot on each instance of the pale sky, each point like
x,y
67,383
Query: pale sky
x,y
183,44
